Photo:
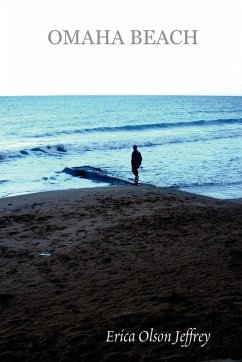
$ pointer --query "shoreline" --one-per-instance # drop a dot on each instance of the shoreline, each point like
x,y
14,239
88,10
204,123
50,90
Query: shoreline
x,y
79,263
55,195
162,189
203,191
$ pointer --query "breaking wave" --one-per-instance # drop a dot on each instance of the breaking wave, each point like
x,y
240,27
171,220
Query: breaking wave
x,y
60,150
144,127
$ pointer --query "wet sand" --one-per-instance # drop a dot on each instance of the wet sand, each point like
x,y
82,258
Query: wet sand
x,y
76,264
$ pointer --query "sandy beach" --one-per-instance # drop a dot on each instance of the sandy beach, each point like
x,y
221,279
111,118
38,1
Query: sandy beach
x,y
138,261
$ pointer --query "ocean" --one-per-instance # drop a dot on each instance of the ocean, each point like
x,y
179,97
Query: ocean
x,y
193,143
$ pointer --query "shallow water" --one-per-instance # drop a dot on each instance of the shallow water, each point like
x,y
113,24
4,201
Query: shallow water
x,y
194,143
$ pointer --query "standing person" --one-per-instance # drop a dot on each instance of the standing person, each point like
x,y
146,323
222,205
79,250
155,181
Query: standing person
x,y
136,160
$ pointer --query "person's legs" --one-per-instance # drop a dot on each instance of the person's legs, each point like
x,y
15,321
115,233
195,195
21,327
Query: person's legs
x,y
135,172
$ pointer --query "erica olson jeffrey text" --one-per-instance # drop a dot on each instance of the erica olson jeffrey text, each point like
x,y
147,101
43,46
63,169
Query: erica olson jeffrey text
x,y
182,338
116,37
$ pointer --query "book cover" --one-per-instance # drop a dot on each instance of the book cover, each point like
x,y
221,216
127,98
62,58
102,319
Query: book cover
x,y
121,181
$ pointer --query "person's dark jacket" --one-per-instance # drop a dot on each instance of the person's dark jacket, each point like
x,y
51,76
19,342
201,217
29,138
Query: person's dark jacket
x,y
136,159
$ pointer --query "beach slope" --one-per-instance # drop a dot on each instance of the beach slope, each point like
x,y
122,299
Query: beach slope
x,y
76,264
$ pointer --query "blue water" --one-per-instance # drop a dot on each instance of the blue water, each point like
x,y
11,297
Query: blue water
x,y
194,143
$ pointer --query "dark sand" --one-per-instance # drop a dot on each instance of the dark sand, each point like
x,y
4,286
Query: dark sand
x,y
131,258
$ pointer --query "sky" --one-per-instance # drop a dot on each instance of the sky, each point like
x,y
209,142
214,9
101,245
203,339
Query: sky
x,y
30,65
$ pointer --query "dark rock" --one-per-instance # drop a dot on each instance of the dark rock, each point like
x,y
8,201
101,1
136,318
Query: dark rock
x,y
94,174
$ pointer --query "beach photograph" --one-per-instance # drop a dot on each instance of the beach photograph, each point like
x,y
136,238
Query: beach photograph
x,y
121,228
120,181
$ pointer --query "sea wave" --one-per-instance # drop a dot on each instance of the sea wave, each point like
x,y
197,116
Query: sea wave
x,y
143,127
206,184
55,150
59,150
3,181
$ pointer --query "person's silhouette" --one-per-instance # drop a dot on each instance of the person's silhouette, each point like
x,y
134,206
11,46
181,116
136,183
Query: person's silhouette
x,y
136,160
